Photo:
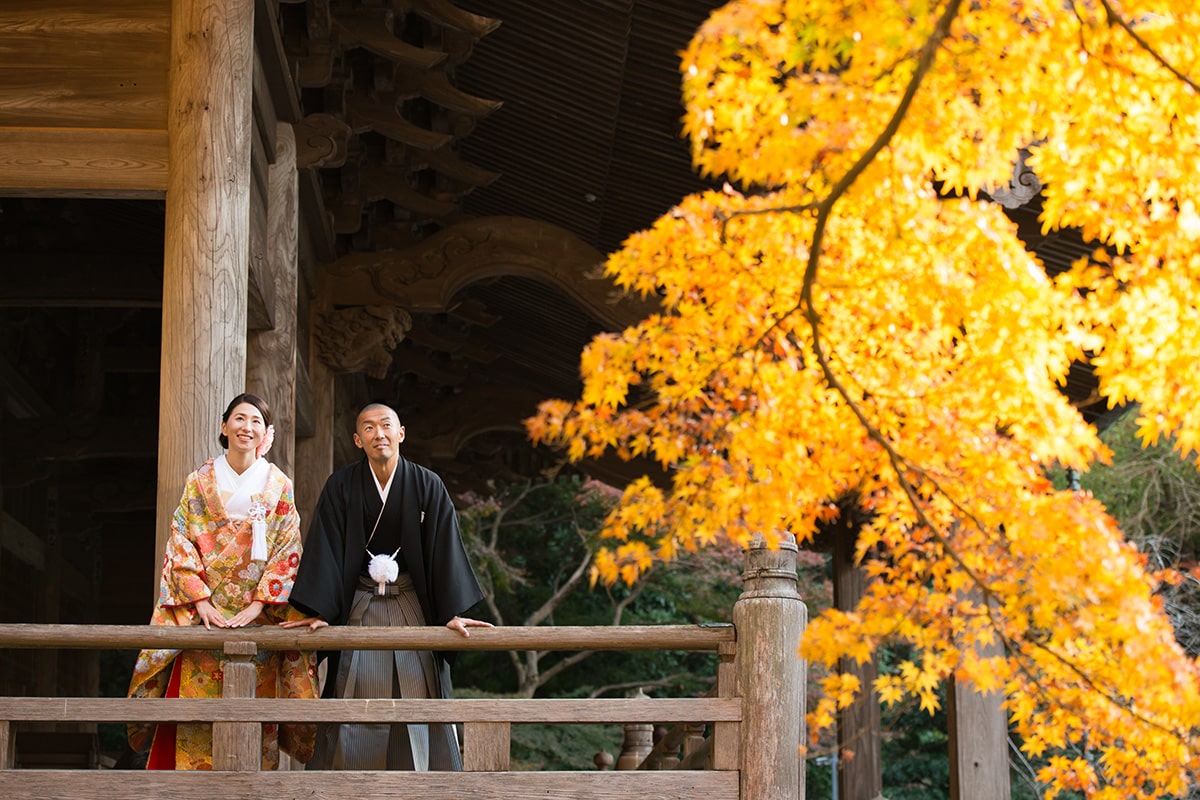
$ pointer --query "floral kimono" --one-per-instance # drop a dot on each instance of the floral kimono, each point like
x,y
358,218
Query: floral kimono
x,y
209,556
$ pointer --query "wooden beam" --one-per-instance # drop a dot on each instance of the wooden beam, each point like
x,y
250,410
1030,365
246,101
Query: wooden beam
x,y
445,12
18,396
73,63
83,162
22,543
81,280
104,437
371,29
130,359
280,77
381,114
122,784
252,709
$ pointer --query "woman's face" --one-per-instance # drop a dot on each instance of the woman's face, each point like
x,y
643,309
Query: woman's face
x,y
245,428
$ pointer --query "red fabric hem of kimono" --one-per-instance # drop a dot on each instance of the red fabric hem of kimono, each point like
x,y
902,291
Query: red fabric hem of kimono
x,y
162,751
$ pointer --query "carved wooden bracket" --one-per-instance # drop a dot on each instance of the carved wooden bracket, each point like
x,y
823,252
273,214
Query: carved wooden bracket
x,y
382,68
321,141
427,275
361,339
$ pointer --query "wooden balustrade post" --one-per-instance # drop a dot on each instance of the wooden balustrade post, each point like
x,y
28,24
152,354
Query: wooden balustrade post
x,y
487,746
638,742
770,617
670,755
8,751
238,745
726,736
693,739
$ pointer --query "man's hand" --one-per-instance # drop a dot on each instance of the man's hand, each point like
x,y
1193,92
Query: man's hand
x,y
311,622
461,624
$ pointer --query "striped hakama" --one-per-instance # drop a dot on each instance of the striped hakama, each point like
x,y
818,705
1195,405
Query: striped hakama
x,y
387,674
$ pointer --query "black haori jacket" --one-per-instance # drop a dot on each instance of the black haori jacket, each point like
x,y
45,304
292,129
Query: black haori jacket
x,y
430,540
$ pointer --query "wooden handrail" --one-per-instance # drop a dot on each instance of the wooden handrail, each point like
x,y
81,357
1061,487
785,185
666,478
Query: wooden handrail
x,y
135,637
602,710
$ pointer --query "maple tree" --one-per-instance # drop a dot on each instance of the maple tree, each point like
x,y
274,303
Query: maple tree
x,y
853,318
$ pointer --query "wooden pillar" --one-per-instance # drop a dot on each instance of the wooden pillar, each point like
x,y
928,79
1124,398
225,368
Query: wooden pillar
x,y
238,745
770,617
977,725
205,268
860,761
314,454
271,354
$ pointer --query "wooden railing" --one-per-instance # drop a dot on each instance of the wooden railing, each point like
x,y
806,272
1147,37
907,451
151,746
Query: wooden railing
x,y
758,700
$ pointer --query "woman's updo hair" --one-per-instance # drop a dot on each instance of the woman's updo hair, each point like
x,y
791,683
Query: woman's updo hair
x,y
244,397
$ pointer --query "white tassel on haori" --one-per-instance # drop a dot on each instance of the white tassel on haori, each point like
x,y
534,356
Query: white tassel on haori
x,y
258,531
383,569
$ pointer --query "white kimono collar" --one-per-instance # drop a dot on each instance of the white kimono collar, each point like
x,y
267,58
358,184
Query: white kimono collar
x,y
383,490
236,490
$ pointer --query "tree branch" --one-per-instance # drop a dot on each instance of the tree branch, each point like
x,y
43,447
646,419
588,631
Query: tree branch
x,y
1115,18
670,680
547,608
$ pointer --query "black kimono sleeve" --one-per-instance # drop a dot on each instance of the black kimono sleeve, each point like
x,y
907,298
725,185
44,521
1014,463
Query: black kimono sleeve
x,y
321,582
453,588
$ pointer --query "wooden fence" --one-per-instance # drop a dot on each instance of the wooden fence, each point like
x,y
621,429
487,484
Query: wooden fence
x,y
753,719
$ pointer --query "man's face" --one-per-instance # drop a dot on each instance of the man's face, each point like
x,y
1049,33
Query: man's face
x,y
378,433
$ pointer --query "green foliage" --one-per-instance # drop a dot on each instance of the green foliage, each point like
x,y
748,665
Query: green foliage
x,y
531,541
1154,495
544,747
1152,492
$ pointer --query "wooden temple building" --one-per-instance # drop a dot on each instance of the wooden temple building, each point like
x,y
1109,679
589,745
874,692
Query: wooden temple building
x,y
320,201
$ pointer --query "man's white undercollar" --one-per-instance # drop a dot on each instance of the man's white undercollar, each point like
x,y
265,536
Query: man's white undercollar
x,y
383,490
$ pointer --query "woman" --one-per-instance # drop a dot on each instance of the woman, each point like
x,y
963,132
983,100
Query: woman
x,y
230,562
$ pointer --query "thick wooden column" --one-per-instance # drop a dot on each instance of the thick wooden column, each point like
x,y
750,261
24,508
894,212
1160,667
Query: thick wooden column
x,y
860,761
207,236
977,725
271,354
314,454
770,617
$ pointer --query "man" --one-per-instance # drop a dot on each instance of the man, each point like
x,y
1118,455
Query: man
x,y
384,548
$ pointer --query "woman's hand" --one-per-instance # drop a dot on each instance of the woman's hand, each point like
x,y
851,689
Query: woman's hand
x,y
209,614
246,615
461,624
